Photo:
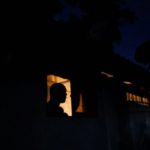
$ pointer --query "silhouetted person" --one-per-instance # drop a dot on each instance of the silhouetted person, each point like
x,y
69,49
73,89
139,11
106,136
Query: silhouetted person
x,y
57,96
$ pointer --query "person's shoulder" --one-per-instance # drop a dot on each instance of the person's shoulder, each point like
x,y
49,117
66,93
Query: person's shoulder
x,y
55,112
61,112
65,114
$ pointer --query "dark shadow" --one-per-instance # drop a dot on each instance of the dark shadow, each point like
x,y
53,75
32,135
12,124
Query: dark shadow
x,y
57,96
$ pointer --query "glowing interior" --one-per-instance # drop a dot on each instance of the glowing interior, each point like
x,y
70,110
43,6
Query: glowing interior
x,y
51,79
138,99
107,74
80,107
127,82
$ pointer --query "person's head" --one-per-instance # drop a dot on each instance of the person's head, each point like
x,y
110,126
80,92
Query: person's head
x,y
58,93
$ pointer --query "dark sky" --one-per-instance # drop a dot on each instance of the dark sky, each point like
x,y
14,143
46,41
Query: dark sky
x,y
135,34
132,34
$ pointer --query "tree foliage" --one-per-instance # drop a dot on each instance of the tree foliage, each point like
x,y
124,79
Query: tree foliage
x,y
88,25
99,20
142,54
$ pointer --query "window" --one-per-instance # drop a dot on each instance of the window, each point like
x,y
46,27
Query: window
x,y
80,108
130,97
67,106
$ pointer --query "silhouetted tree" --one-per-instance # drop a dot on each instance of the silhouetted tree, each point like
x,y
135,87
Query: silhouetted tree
x,y
91,24
142,54
75,24
95,19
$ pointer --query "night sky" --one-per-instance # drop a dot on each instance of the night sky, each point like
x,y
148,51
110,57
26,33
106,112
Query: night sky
x,y
134,34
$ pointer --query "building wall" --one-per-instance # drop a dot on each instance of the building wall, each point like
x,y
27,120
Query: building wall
x,y
24,124
109,112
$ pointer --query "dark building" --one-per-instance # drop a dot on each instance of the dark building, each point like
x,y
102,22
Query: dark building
x,y
110,103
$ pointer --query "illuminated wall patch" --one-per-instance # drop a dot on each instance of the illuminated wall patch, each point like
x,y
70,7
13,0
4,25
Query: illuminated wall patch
x,y
130,97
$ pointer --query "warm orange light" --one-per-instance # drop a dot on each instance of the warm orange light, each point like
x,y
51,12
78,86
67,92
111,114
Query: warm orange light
x,y
127,82
107,74
80,107
134,98
128,96
138,99
51,79
145,100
